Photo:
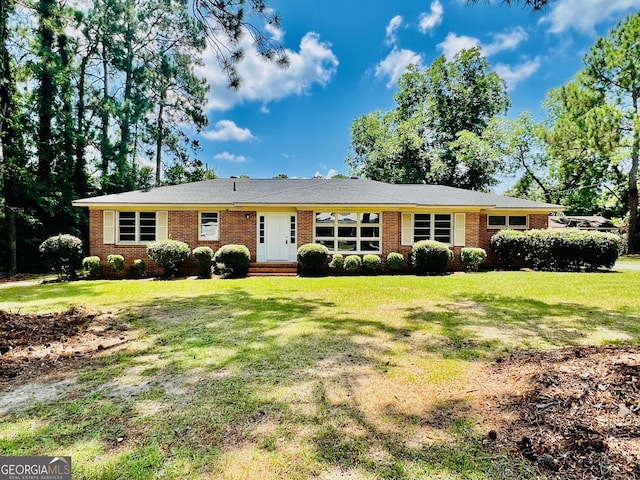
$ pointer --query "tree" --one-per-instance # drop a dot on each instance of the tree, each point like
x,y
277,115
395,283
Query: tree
x,y
611,72
419,140
227,21
535,5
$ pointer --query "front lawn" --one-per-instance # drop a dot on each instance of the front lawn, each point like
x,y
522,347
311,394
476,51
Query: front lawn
x,y
348,377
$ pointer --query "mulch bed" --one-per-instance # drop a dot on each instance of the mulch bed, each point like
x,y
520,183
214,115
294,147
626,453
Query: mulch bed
x,y
574,413
33,346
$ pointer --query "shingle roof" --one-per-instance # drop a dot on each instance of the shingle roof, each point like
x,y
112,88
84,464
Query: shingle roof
x,y
240,192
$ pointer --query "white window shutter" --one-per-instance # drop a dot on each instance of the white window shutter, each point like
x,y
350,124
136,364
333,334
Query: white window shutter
x,y
108,227
407,229
460,230
162,225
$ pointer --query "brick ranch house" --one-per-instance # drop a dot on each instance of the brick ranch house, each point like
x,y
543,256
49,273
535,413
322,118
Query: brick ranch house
x,y
273,217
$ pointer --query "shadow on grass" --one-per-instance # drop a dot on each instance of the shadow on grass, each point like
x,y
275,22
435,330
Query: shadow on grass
x,y
274,385
479,326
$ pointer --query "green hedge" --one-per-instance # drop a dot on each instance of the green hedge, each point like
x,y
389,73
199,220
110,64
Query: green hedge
x,y
395,261
92,266
62,254
203,257
508,245
169,254
312,258
116,262
371,263
352,264
232,261
430,257
337,262
472,258
139,267
559,250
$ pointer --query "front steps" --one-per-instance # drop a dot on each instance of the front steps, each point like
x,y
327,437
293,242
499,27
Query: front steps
x,y
273,269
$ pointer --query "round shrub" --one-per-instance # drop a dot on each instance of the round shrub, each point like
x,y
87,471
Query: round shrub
x,y
472,258
430,257
169,254
203,257
139,267
116,262
508,246
62,254
352,264
312,258
395,261
91,265
371,263
337,262
232,261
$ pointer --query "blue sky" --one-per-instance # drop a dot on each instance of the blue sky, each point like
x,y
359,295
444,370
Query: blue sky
x,y
347,55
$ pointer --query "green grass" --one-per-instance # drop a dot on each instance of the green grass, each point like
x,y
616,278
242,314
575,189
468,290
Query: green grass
x,y
358,377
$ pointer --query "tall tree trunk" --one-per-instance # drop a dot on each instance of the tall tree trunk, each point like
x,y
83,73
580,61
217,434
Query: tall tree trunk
x,y
632,240
79,172
160,135
46,91
7,140
105,144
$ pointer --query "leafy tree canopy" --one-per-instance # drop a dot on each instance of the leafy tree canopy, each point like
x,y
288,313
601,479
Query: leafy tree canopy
x,y
423,139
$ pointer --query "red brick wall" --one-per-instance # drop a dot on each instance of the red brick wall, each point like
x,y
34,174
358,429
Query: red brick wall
x,y
235,227
305,227
183,226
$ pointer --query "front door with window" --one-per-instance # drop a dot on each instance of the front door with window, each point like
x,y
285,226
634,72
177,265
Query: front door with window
x,y
276,237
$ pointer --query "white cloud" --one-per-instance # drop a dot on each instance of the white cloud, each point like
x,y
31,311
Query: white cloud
x,y
515,74
332,173
227,130
230,157
584,15
505,41
429,21
396,63
314,63
391,30
453,43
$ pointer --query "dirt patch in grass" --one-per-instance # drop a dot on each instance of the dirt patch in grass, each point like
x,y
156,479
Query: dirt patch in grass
x,y
54,344
572,412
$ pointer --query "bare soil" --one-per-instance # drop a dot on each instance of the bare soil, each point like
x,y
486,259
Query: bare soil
x,y
51,346
572,412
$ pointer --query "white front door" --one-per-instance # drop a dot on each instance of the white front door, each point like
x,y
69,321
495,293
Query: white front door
x,y
277,234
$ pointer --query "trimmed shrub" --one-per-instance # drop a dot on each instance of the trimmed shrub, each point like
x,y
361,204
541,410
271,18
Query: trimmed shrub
x,y
232,261
570,250
472,258
312,258
395,261
116,262
371,263
169,254
352,264
203,257
430,257
563,250
508,246
139,267
337,262
62,254
92,266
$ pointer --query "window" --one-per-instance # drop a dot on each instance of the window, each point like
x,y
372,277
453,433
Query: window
x,y
432,226
136,227
348,232
209,226
507,221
